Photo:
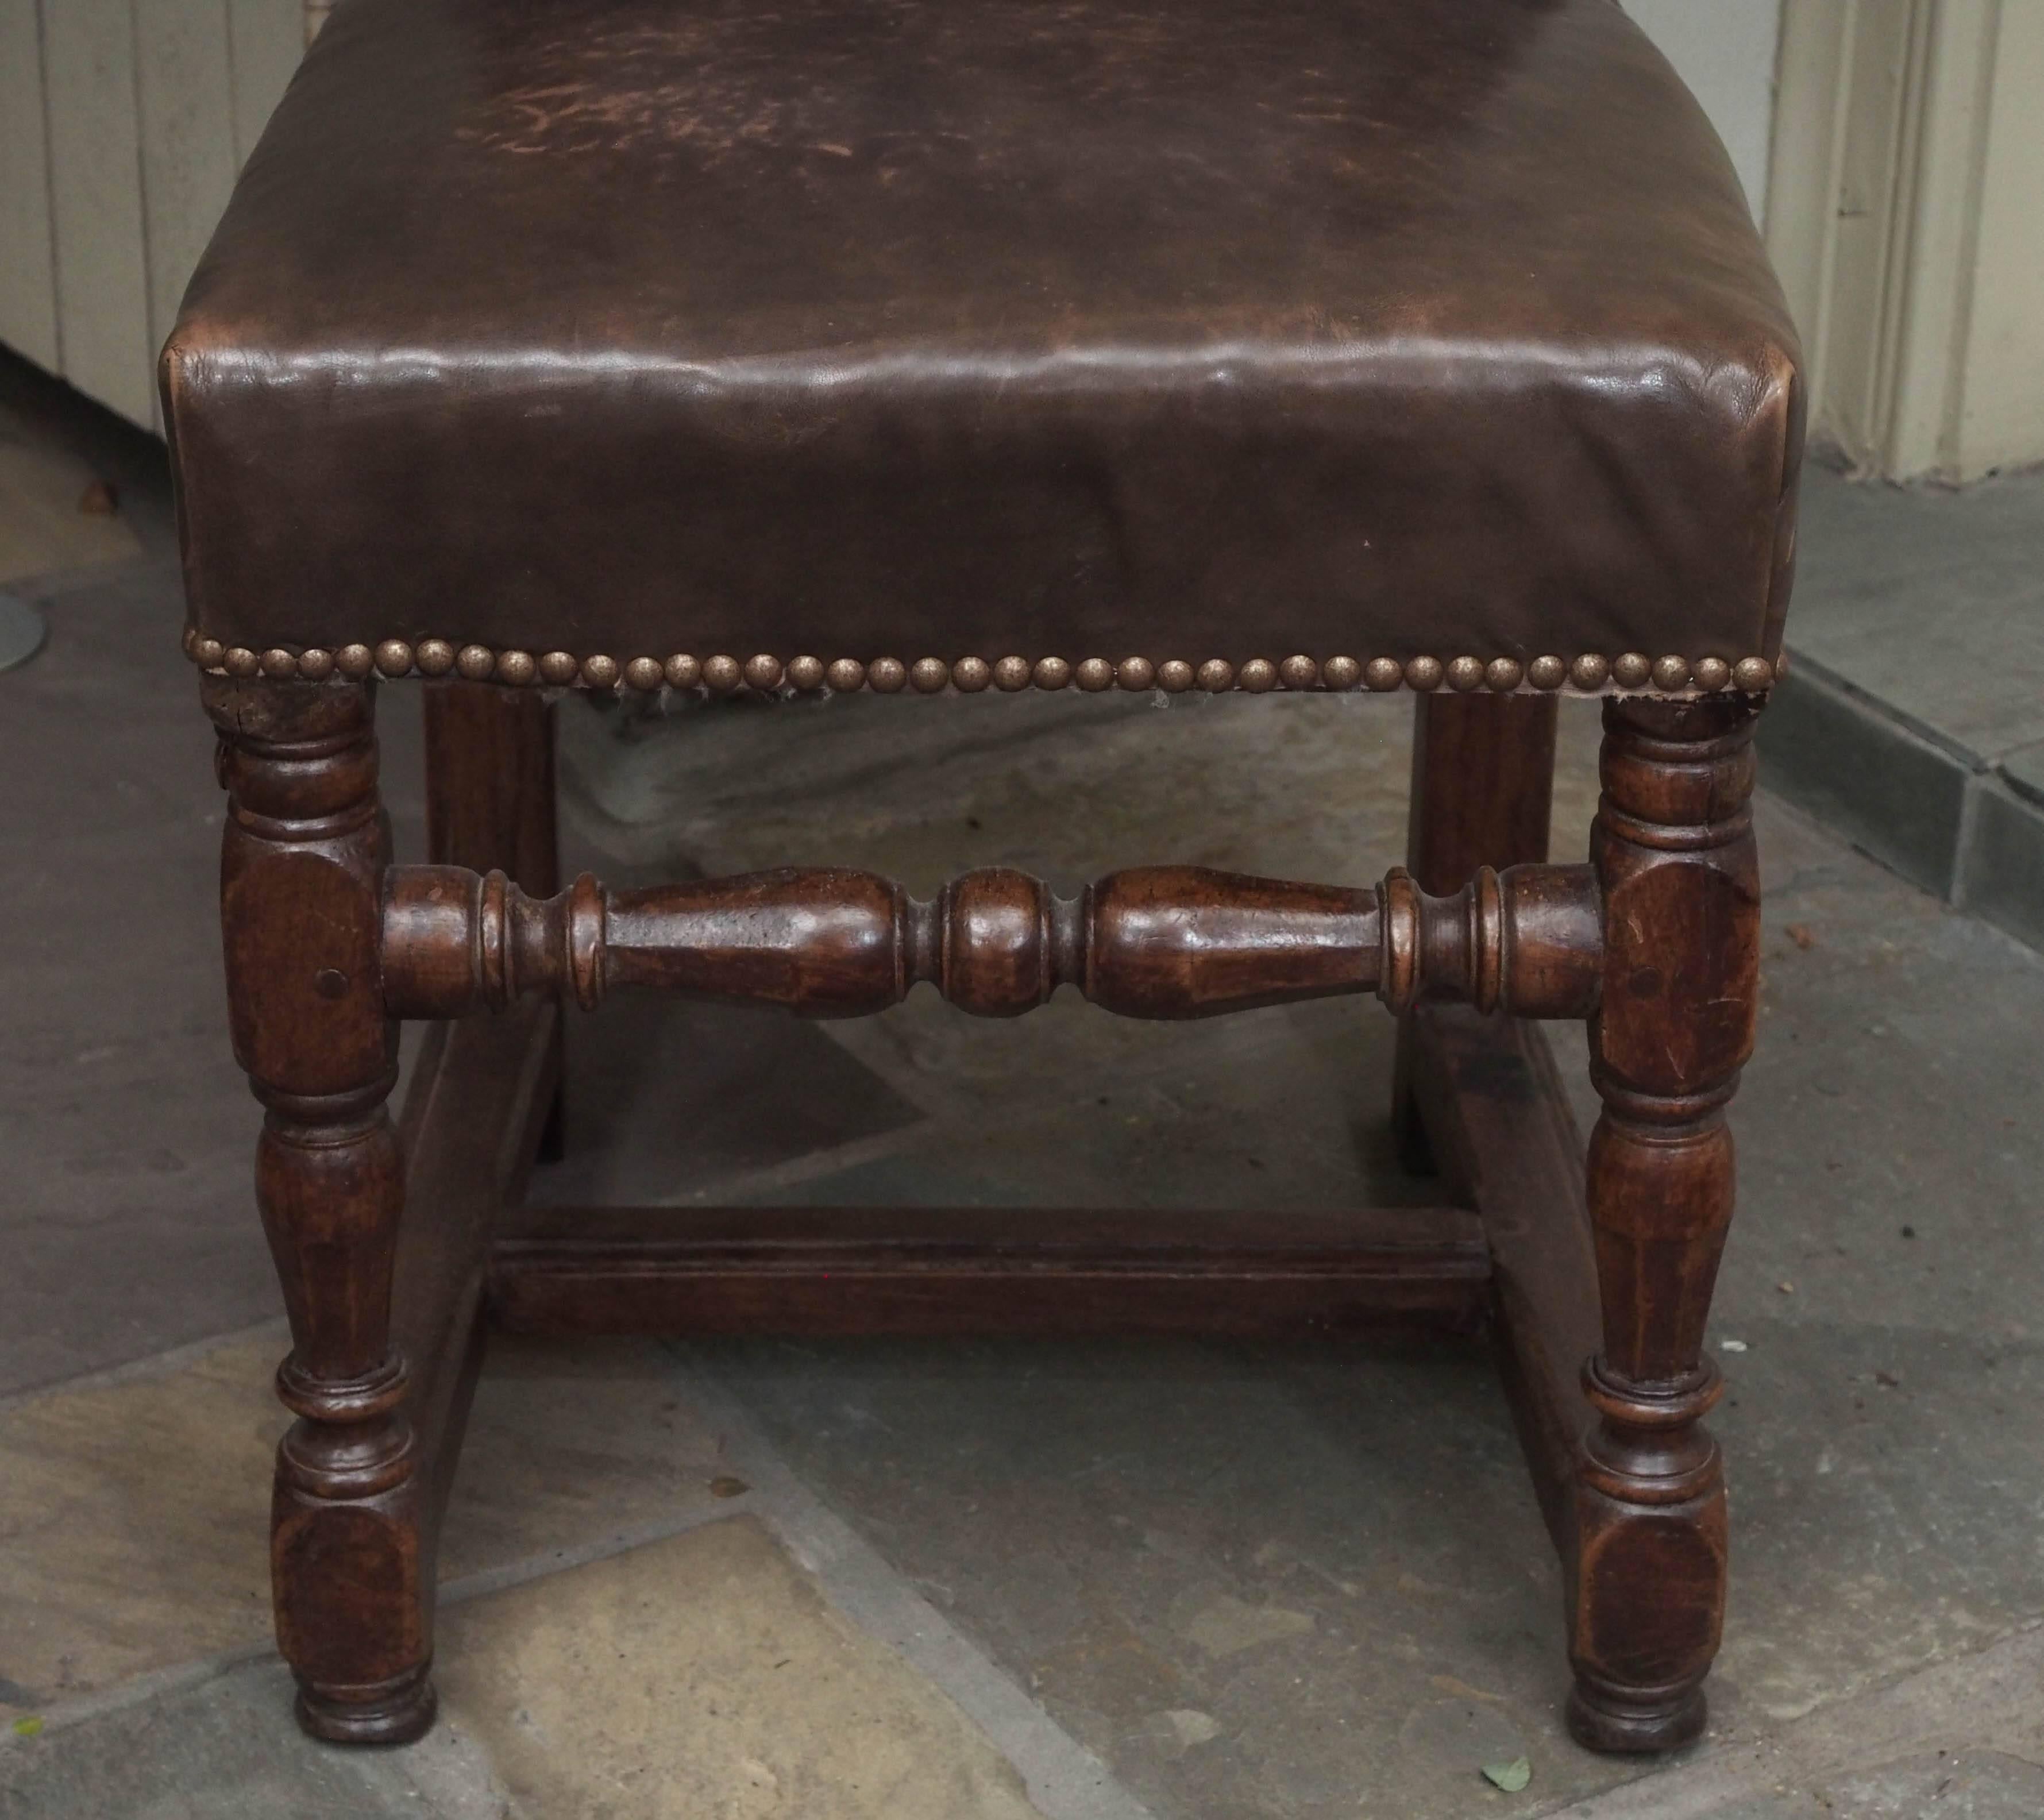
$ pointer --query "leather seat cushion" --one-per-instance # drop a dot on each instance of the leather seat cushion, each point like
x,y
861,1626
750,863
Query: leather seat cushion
x,y
1171,328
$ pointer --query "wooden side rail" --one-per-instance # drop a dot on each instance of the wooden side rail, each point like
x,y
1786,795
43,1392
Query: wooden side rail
x,y
1156,942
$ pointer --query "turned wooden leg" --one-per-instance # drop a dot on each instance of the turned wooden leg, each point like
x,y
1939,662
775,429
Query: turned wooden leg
x,y
491,802
1483,790
305,850
1673,851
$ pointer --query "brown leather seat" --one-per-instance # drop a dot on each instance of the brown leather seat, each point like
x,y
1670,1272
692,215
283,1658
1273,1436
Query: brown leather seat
x,y
1181,331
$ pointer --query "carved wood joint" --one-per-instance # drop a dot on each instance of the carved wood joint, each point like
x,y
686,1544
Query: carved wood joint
x,y
1156,942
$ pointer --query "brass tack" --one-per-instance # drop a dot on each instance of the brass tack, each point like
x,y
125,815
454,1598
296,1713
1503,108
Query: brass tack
x,y
516,667
805,673
1258,675
475,662
1384,672
435,657
1135,672
762,672
1711,673
1502,674
1588,671
846,674
191,638
929,674
557,667
1216,675
886,675
394,657
1175,676
645,674
1012,673
600,671
315,664
681,671
278,663
1465,673
1093,674
239,660
1425,673
1631,670
207,652
1341,672
722,673
970,675
1299,672
1671,672
1051,672
1546,673
1753,674
355,661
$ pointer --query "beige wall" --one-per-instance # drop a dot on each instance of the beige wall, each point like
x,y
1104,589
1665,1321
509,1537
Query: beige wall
x,y
1906,216
2001,412
122,123
1724,50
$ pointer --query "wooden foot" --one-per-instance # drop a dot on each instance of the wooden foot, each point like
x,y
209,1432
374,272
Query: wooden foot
x,y
1674,849
1483,788
305,849
400,1711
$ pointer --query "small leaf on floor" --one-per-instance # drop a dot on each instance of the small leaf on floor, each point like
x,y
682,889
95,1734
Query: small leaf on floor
x,y
1511,1776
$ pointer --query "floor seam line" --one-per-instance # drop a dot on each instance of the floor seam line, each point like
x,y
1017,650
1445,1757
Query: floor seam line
x,y
150,1365
1064,1778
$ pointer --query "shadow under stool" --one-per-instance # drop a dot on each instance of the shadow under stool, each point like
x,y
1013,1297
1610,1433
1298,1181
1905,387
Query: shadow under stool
x,y
950,348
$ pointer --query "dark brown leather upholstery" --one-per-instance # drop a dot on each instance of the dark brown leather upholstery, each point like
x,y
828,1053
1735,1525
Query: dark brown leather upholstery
x,y
1181,329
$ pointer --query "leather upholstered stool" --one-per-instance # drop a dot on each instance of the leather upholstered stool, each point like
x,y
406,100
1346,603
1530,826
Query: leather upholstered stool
x,y
970,345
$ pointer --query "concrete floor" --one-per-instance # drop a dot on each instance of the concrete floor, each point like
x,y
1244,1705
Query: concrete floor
x,y
1191,1581
1911,720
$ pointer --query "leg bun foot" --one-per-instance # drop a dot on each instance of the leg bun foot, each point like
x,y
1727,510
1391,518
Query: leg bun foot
x,y
1604,1719
395,1712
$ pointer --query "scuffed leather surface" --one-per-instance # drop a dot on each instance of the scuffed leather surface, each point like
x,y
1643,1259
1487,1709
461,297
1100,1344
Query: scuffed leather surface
x,y
1170,328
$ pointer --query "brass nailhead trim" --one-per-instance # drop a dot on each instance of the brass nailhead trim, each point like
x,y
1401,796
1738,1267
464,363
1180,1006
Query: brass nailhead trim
x,y
432,657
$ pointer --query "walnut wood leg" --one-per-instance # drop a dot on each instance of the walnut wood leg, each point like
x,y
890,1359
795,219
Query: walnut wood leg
x,y
1483,788
490,805
1674,849
304,852
490,783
